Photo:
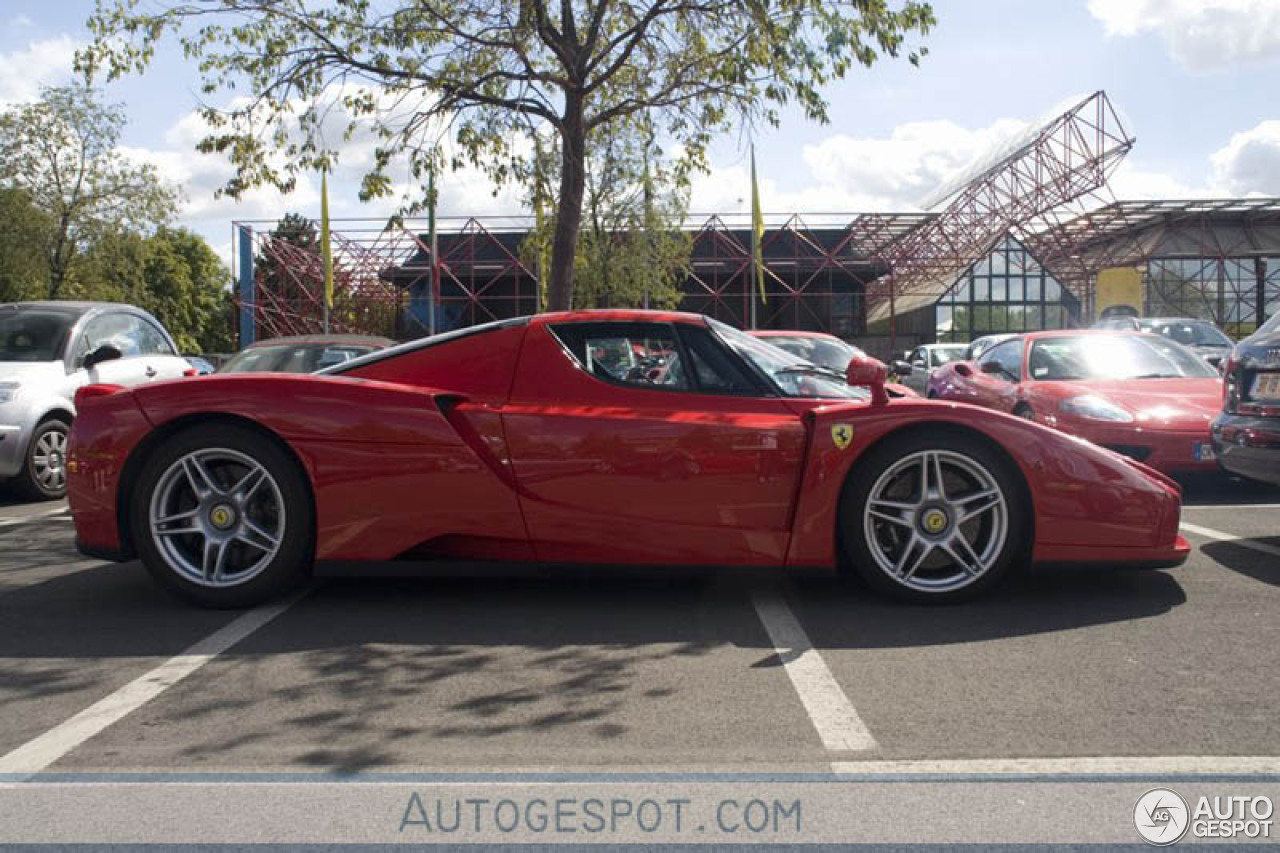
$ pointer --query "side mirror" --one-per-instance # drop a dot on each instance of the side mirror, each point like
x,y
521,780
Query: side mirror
x,y
902,368
106,352
964,368
870,373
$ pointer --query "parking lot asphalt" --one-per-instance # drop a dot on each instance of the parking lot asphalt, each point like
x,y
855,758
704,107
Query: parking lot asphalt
x,y
690,670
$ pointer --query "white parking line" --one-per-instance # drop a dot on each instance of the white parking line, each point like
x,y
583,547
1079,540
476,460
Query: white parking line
x,y
37,754
1230,506
1088,765
62,514
1208,533
829,709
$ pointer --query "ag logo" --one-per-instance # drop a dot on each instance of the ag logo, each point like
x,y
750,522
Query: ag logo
x,y
1161,817
841,435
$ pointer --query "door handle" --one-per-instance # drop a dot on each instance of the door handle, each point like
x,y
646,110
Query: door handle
x,y
151,372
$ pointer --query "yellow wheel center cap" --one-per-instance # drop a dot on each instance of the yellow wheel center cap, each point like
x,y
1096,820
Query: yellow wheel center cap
x,y
934,521
222,517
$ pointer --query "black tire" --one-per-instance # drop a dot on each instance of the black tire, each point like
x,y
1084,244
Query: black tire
x,y
33,481
857,557
291,562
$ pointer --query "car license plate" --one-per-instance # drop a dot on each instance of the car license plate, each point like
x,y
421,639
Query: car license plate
x,y
1266,386
1204,452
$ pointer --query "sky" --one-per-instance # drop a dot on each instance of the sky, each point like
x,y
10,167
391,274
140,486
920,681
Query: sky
x,y
1197,84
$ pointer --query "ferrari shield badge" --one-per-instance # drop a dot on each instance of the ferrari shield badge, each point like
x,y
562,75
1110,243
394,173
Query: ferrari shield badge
x,y
841,435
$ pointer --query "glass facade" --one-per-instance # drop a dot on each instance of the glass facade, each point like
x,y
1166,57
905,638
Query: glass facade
x,y
1008,291
1227,291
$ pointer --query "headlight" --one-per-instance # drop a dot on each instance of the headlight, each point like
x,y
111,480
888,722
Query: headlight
x,y
1095,408
8,390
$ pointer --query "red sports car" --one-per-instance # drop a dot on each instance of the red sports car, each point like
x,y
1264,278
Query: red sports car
x,y
614,437
1141,395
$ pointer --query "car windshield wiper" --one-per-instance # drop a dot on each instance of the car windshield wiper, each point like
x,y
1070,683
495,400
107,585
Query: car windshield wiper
x,y
810,368
1155,376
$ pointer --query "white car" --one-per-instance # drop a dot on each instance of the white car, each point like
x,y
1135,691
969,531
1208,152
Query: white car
x,y
47,351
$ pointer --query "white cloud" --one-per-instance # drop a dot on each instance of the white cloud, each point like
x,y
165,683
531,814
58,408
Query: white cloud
x,y
850,174
1249,164
1202,35
43,62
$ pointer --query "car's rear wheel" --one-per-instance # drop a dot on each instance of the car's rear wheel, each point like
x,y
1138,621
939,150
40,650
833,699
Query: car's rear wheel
x,y
44,470
933,518
222,517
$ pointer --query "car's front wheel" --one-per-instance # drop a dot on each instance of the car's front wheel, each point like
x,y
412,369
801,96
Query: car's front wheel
x,y
44,469
222,517
933,519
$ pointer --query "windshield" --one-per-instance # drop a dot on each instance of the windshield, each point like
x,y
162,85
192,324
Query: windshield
x,y
939,356
823,352
1190,333
1114,357
34,335
792,375
293,358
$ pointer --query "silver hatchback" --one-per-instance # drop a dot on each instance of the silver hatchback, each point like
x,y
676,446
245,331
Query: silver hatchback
x,y
47,351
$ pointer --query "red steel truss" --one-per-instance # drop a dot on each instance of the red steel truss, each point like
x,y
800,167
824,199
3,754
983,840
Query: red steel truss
x,y
1060,162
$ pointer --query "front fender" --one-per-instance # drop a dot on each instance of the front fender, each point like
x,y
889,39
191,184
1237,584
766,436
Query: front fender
x,y
1082,496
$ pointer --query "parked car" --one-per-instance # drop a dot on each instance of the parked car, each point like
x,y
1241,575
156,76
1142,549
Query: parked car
x,y
978,346
619,437
201,365
1141,395
824,350
302,354
1246,435
47,351
923,360
1201,336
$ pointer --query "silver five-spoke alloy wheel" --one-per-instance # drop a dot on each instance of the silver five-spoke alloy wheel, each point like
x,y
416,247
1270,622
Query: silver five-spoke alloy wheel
x,y
49,460
217,517
936,521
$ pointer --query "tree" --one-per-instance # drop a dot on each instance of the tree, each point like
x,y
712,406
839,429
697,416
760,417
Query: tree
x,y
24,272
173,273
61,150
632,251
493,72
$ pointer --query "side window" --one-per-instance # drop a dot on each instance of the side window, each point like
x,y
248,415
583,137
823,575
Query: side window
x,y
920,357
150,340
642,355
113,329
715,369
1009,356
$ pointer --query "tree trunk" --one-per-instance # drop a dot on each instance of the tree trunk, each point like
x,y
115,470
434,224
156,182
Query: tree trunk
x,y
573,179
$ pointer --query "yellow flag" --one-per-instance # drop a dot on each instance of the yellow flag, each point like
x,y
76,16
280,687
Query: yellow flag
x,y
326,252
757,231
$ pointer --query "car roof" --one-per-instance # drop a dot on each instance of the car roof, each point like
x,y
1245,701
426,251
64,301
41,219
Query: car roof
x,y
323,339
71,308
1075,333
636,315
784,333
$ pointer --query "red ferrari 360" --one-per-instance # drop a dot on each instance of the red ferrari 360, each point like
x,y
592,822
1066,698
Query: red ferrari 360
x,y
1144,396
616,437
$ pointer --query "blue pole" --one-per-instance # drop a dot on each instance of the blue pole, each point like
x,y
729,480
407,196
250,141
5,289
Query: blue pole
x,y
247,314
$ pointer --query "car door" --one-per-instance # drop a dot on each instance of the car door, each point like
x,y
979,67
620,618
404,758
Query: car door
x,y
633,442
160,359
999,390
112,328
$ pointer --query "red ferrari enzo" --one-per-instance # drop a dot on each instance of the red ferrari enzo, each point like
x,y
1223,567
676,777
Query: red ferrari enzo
x,y
603,437
1141,395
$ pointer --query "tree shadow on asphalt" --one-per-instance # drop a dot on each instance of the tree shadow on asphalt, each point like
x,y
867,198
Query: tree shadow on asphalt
x,y
373,670
1247,561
